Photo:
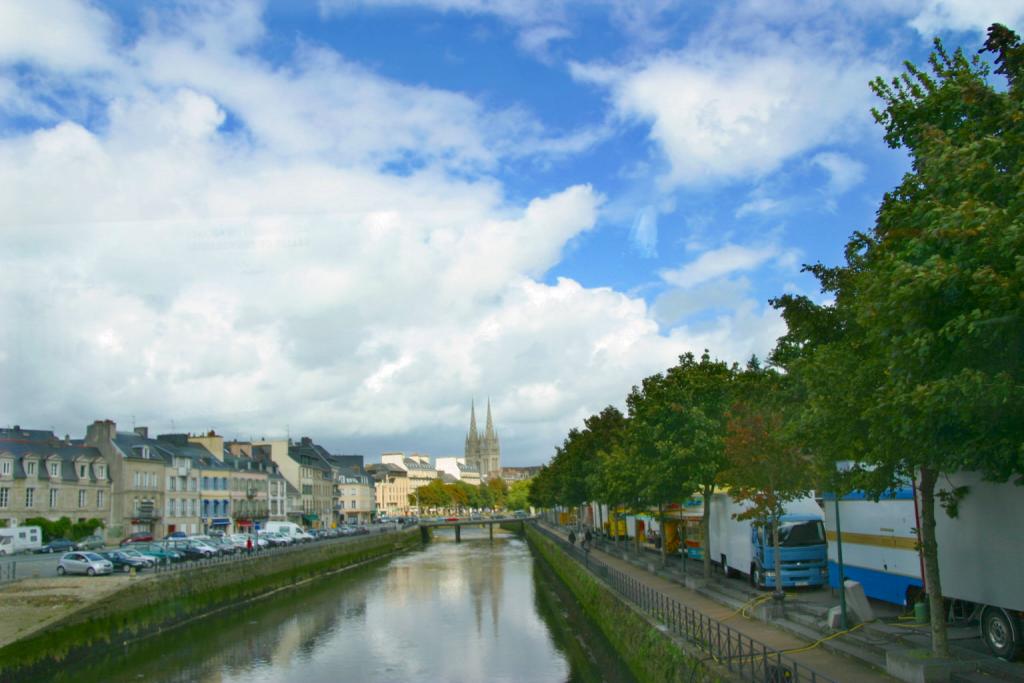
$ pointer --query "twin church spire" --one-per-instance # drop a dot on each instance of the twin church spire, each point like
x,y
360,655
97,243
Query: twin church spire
x,y
484,452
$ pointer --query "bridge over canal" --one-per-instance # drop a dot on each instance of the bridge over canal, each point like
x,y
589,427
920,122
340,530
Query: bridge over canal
x,y
489,522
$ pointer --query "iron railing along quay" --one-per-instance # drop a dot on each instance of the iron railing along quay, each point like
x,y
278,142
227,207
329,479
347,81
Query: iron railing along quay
x,y
749,659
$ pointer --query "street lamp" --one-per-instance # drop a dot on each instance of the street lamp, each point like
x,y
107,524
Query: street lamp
x,y
842,466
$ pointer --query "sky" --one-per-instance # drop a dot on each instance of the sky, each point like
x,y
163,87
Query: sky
x,y
348,219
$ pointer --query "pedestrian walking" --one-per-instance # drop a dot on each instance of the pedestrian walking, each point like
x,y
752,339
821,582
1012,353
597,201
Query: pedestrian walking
x,y
572,537
248,545
587,538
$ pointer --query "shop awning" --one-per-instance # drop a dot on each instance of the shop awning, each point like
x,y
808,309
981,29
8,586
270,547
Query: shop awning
x,y
243,522
220,521
311,517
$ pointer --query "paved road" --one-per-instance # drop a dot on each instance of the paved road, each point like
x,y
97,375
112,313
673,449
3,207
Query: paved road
x,y
27,565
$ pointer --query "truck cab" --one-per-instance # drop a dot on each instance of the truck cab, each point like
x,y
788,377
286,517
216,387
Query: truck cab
x,y
743,546
803,545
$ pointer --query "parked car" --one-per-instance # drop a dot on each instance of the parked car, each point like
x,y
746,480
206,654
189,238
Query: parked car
x,y
123,561
57,545
84,563
162,554
94,542
138,537
149,560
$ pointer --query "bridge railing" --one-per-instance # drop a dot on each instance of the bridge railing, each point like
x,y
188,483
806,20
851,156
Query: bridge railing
x,y
749,659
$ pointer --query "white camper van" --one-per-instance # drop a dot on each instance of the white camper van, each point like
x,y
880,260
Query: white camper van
x,y
290,529
20,538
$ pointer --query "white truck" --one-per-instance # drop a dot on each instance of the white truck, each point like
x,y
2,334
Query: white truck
x,y
20,538
980,553
745,547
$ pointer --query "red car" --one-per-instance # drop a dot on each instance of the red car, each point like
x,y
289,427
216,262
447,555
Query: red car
x,y
451,519
138,537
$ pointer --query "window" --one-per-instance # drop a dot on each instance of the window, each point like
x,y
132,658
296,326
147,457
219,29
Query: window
x,y
135,480
54,469
101,471
30,497
82,498
5,496
172,483
5,467
192,484
81,471
30,468
54,497
99,499
353,505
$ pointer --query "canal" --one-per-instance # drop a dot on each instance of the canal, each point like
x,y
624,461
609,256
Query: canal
x,y
470,611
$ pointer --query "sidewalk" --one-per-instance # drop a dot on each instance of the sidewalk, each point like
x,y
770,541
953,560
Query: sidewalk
x,y
856,656
836,667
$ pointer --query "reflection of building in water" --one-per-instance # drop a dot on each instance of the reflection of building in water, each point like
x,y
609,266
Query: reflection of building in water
x,y
297,624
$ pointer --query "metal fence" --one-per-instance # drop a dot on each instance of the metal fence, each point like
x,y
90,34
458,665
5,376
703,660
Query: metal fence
x,y
750,659
12,570
256,555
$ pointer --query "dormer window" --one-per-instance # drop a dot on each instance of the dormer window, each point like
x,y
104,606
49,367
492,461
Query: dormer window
x,y
101,471
30,468
54,469
5,467
82,469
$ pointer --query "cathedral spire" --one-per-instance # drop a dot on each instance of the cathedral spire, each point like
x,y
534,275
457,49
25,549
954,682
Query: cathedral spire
x,y
489,435
472,418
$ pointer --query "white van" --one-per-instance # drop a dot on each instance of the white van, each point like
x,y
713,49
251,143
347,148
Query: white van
x,y
290,529
19,538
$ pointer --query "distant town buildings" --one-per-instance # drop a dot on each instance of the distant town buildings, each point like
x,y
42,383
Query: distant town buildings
x,y
199,483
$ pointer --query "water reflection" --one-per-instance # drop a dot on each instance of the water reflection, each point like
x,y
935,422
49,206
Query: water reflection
x,y
450,612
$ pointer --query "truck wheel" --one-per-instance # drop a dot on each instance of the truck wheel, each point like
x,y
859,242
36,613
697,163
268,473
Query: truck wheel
x,y
755,576
1001,633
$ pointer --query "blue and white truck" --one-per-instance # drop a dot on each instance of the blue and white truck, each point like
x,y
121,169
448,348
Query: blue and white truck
x,y
745,546
980,553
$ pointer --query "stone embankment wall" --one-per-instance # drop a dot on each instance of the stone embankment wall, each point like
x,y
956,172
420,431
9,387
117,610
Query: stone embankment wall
x,y
649,653
159,602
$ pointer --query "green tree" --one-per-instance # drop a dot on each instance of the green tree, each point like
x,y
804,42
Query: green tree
x,y
518,497
916,368
498,491
678,435
765,468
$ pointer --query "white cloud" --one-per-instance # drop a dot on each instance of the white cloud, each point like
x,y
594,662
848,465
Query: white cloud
x,y
56,34
644,233
844,172
223,251
724,115
935,16
717,263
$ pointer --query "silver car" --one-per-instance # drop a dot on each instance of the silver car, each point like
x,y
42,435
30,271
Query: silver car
x,y
84,563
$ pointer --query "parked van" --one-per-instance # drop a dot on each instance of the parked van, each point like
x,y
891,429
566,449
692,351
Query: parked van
x,y
20,538
290,529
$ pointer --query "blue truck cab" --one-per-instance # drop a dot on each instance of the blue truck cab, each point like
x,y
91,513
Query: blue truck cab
x,y
804,552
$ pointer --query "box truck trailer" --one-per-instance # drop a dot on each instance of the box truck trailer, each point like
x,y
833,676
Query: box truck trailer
x,y
980,553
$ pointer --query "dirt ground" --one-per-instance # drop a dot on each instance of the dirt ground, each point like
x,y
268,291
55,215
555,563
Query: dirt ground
x,y
28,605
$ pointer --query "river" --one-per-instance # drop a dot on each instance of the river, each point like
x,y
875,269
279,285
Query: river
x,y
479,610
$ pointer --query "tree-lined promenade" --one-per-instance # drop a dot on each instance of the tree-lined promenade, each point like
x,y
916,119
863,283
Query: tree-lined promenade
x,y
912,366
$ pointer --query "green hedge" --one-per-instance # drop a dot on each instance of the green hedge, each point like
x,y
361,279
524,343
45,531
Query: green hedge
x,y
648,653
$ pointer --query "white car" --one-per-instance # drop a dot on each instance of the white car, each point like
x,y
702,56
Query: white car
x,y
84,563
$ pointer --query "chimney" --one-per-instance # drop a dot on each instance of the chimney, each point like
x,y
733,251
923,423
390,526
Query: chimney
x,y
142,431
100,431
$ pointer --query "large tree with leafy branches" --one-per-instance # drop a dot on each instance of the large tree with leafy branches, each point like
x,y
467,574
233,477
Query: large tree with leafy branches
x,y
916,369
